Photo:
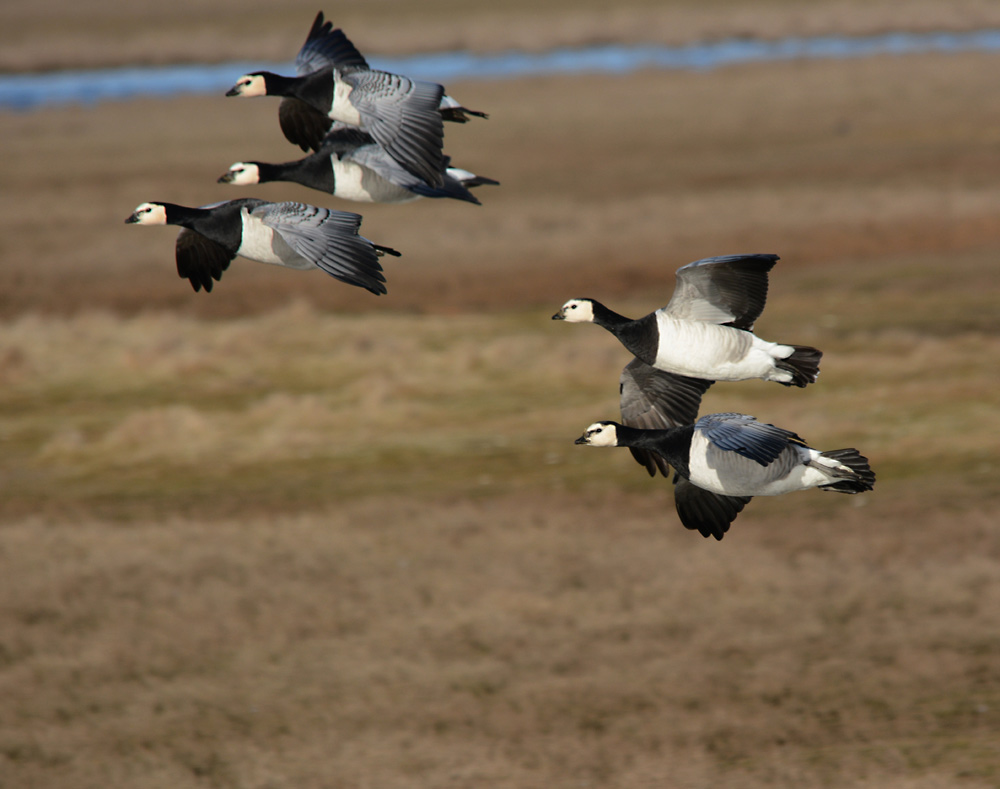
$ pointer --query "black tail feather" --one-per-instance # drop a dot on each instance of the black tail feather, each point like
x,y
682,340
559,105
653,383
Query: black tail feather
x,y
460,114
803,364
479,180
862,477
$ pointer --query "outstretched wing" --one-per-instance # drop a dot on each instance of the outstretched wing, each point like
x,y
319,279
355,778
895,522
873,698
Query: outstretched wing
x,y
730,289
325,47
200,259
708,513
744,435
655,400
402,115
329,239
374,157
301,124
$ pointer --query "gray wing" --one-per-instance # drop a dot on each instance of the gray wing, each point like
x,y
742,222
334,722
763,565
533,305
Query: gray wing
x,y
329,239
326,47
350,144
729,289
745,436
655,400
402,115
708,513
376,158
200,260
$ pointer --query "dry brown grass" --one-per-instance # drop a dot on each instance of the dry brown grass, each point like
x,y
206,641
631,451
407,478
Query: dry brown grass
x,y
260,558
291,535
539,640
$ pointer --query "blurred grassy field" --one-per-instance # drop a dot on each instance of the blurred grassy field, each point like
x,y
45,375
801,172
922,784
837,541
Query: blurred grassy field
x,y
288,534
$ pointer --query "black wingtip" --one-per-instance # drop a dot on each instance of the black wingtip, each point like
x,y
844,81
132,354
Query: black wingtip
x,y
710,514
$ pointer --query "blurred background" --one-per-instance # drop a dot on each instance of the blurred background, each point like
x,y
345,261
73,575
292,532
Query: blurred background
x,y
289,533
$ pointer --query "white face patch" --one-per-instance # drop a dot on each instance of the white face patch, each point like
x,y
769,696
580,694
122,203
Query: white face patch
x,y
600,434
577,311
248,86
241,174
149,214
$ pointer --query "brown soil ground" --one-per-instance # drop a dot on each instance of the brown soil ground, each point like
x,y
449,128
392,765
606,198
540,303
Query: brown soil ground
x,y
288,534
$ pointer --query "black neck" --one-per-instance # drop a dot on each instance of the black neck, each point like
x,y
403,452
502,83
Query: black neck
x,y
220,224
315,89
640,336
674,443
276,84
608,318
183,215
315,172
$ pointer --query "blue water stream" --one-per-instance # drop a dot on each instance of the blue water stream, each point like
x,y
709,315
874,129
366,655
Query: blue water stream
x,y
29,91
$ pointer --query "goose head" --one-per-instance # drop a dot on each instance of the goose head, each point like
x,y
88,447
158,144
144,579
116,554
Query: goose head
x,y
600,434
148,214
241,174
576,311
250,85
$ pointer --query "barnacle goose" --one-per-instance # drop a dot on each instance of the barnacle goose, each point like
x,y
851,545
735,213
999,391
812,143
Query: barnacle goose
x,y
289,234
728,458
334,82
706,330
351,165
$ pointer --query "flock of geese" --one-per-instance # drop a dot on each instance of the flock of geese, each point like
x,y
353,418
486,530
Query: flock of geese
x,y
374,137
378,137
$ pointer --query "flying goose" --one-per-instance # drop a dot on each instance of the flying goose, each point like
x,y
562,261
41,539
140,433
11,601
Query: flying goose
x,y
333,82
728,458
295,235
329,47
351,165
706,330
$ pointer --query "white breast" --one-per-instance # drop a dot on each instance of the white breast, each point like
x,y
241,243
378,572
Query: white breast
x,y
703,350
708,350
263,244
354,182
341,109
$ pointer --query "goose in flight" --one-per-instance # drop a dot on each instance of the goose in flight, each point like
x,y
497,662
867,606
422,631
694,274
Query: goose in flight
x,y
728,458
706,330
288,234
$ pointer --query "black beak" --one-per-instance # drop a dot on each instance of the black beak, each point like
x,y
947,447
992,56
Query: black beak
x,y
581,440
133,218
559,317
233,91
225,178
